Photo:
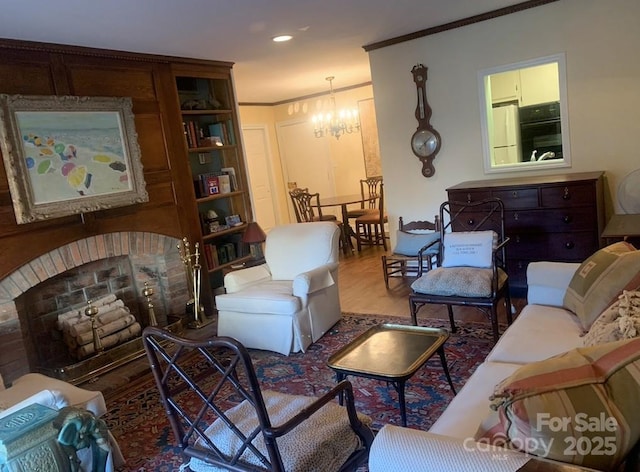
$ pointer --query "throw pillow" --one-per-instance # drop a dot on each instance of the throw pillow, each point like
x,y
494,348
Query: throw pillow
x,y
620,321
408,244
579,407
469,249
600,279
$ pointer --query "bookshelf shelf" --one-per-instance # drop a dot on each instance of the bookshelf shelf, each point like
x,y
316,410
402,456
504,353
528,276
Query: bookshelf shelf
x,y
213,150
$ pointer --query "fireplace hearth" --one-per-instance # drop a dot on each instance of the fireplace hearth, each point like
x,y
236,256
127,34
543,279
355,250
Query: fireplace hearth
x,y
115,265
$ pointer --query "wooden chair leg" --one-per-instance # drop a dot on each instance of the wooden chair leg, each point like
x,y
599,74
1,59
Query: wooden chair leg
x,y
494,323
385,271
451,322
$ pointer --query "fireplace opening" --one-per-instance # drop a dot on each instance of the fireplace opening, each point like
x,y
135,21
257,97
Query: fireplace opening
x,y
115,285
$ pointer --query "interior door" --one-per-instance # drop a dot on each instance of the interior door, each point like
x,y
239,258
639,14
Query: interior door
x,y
306,160
256,146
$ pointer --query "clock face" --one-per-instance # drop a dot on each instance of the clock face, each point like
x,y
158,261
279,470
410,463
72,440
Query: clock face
x,y
424,143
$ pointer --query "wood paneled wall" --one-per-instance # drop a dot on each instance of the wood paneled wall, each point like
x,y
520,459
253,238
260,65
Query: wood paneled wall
x,y
45,69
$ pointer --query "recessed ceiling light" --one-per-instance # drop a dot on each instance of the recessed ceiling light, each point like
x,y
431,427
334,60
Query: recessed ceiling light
x,y
282,38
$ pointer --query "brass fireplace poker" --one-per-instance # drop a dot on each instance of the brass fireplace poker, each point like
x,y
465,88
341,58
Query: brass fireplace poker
x,y
194,279
147,292
92,312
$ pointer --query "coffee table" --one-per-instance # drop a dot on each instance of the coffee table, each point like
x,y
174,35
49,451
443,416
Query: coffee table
x,y
392,353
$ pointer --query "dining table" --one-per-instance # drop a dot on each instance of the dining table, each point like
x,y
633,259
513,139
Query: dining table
x,y
343,201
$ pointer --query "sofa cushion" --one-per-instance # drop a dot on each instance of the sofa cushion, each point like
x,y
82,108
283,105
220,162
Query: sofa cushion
x,y
619,321
538,333
579,407
408,244
600,279
471,404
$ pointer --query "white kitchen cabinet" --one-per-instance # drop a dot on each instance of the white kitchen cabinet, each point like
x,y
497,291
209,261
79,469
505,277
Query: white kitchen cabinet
x,y
539,84
528,86
505,86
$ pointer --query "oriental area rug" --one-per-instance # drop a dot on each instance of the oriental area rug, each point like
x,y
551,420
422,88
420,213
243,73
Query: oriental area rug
x,y
137,420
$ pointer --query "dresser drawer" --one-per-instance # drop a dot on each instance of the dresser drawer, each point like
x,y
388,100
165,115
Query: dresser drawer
x,y
572,247
552,220
527,245
468,196
568,195
469,219
518,198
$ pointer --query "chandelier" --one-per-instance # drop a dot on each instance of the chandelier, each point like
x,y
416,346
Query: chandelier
x,y
335,123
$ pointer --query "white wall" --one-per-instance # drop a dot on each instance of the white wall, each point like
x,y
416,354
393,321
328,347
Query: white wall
x,y
600,40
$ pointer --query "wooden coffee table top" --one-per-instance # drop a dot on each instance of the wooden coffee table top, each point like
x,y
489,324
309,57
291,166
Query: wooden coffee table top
x,y
389,351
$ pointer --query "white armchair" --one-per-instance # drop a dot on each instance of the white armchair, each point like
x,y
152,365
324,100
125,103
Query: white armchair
x,y
290,301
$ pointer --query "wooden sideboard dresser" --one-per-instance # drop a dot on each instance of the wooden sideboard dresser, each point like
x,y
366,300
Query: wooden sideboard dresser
x,y
552,218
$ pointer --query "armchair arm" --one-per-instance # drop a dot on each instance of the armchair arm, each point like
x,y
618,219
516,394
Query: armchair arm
x,y
547,282
314,280
396,448
239,279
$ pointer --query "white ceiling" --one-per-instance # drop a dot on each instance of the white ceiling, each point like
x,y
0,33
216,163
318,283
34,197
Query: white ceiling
x,y
328,34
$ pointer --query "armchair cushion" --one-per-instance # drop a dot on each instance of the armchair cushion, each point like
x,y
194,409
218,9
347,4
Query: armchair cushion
x,y
408,244
469,248
323,442
458,281
271,297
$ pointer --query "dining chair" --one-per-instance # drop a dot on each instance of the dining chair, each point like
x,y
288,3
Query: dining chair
x,y
411,238
222,419
370,190
472,262
306,205
370,226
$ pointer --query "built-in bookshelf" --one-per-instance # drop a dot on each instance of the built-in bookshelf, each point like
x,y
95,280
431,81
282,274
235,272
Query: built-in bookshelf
x,y
212,140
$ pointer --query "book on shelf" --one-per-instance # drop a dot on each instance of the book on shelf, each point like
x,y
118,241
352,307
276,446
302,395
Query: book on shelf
x,y
231,172
224,182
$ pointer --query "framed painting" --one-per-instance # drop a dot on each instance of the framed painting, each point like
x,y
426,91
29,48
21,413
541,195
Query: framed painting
x,y
68,155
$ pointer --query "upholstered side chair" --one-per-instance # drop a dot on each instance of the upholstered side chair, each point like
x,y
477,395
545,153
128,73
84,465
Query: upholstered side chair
x,y
292,299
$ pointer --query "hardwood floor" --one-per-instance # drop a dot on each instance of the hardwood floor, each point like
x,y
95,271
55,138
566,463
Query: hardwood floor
x,y
362,291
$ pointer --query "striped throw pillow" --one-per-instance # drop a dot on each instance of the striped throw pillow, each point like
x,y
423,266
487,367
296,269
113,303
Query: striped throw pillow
x,y
579,407
600,279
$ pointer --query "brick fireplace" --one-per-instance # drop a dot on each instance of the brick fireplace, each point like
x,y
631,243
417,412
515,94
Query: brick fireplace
x,y
32,297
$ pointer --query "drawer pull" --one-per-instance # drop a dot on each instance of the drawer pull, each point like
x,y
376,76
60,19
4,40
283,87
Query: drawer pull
x,y
516,216
569,245
567,218
517,239
468,198
471,222
514,194
520,265
566,195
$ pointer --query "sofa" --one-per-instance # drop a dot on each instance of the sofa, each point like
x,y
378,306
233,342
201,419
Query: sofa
x,y
543,329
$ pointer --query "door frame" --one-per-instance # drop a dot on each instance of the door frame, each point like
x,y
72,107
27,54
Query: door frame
x,y
271,179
